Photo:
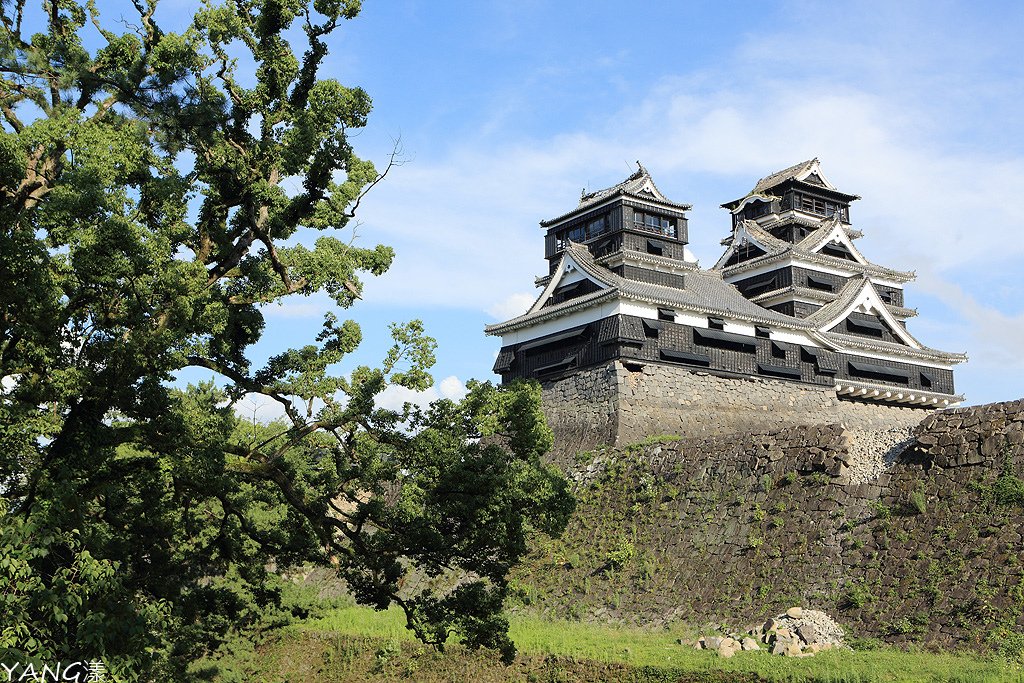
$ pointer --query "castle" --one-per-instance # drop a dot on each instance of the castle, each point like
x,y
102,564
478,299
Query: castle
x,y
793,325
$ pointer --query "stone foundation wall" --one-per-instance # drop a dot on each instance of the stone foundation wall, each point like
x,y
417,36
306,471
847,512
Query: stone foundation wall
x,y
738,527
582,409
614,404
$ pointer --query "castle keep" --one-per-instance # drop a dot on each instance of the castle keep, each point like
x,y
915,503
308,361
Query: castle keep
x,y
793,325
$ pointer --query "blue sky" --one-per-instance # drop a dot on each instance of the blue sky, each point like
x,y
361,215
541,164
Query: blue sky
x,y
507,110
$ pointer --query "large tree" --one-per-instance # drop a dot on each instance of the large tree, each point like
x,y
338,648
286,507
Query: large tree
x,y
146,218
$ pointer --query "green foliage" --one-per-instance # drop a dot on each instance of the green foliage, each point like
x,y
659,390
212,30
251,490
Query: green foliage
x,y
1009,643
758,513
154,186
918,503
1008,490
817,480
882,511
857,595
621,555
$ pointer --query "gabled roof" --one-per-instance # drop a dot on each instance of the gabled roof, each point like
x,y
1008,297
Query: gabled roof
x,y
830,230
859,293
801,171
639,185
777,249
806,171
705,293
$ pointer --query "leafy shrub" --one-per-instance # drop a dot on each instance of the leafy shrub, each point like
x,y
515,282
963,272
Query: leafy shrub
x,y
1008,490
918,502
621,554
882,510
857,595
1009,644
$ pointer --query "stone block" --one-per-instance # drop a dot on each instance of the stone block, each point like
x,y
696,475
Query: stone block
x,y
807,633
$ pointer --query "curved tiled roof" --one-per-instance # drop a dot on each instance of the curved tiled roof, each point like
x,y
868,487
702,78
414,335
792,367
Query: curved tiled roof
x,y
844,299
638,185
779,249
770,181
848,341
705,293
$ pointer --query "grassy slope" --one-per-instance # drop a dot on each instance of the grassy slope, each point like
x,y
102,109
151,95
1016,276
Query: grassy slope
x,y
357,644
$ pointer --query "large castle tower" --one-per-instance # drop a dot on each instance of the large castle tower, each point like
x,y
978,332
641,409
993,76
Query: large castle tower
x,y
630,337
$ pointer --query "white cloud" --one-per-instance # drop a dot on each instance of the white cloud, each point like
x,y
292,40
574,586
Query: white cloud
x,y
395,396
474,234
995,337
258,408
511,306
453,388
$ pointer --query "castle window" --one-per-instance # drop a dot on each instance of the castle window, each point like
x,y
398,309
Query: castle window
x,y
761,331
654,223
667,314
818,206
582,232
839,250
565,364
778,371
654,247
550,341
503,363
685,357
865,326
819,283
652,328
879,372
778,351
724,340
825,361
716,324
597,226
926,380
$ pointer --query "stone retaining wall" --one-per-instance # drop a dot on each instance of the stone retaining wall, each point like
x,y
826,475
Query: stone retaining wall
x,y
613,404
737,527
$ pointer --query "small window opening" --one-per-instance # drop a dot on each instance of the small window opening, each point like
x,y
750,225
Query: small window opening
x,y
716,324
819,283
667,314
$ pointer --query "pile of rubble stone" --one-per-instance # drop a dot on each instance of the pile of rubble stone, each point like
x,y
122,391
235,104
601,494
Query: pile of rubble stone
x,y
797,633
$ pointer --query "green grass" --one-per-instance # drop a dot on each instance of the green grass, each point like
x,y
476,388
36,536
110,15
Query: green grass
x,y
642,648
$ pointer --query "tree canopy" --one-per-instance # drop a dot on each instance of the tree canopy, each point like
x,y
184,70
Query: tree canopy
x,y
158,189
